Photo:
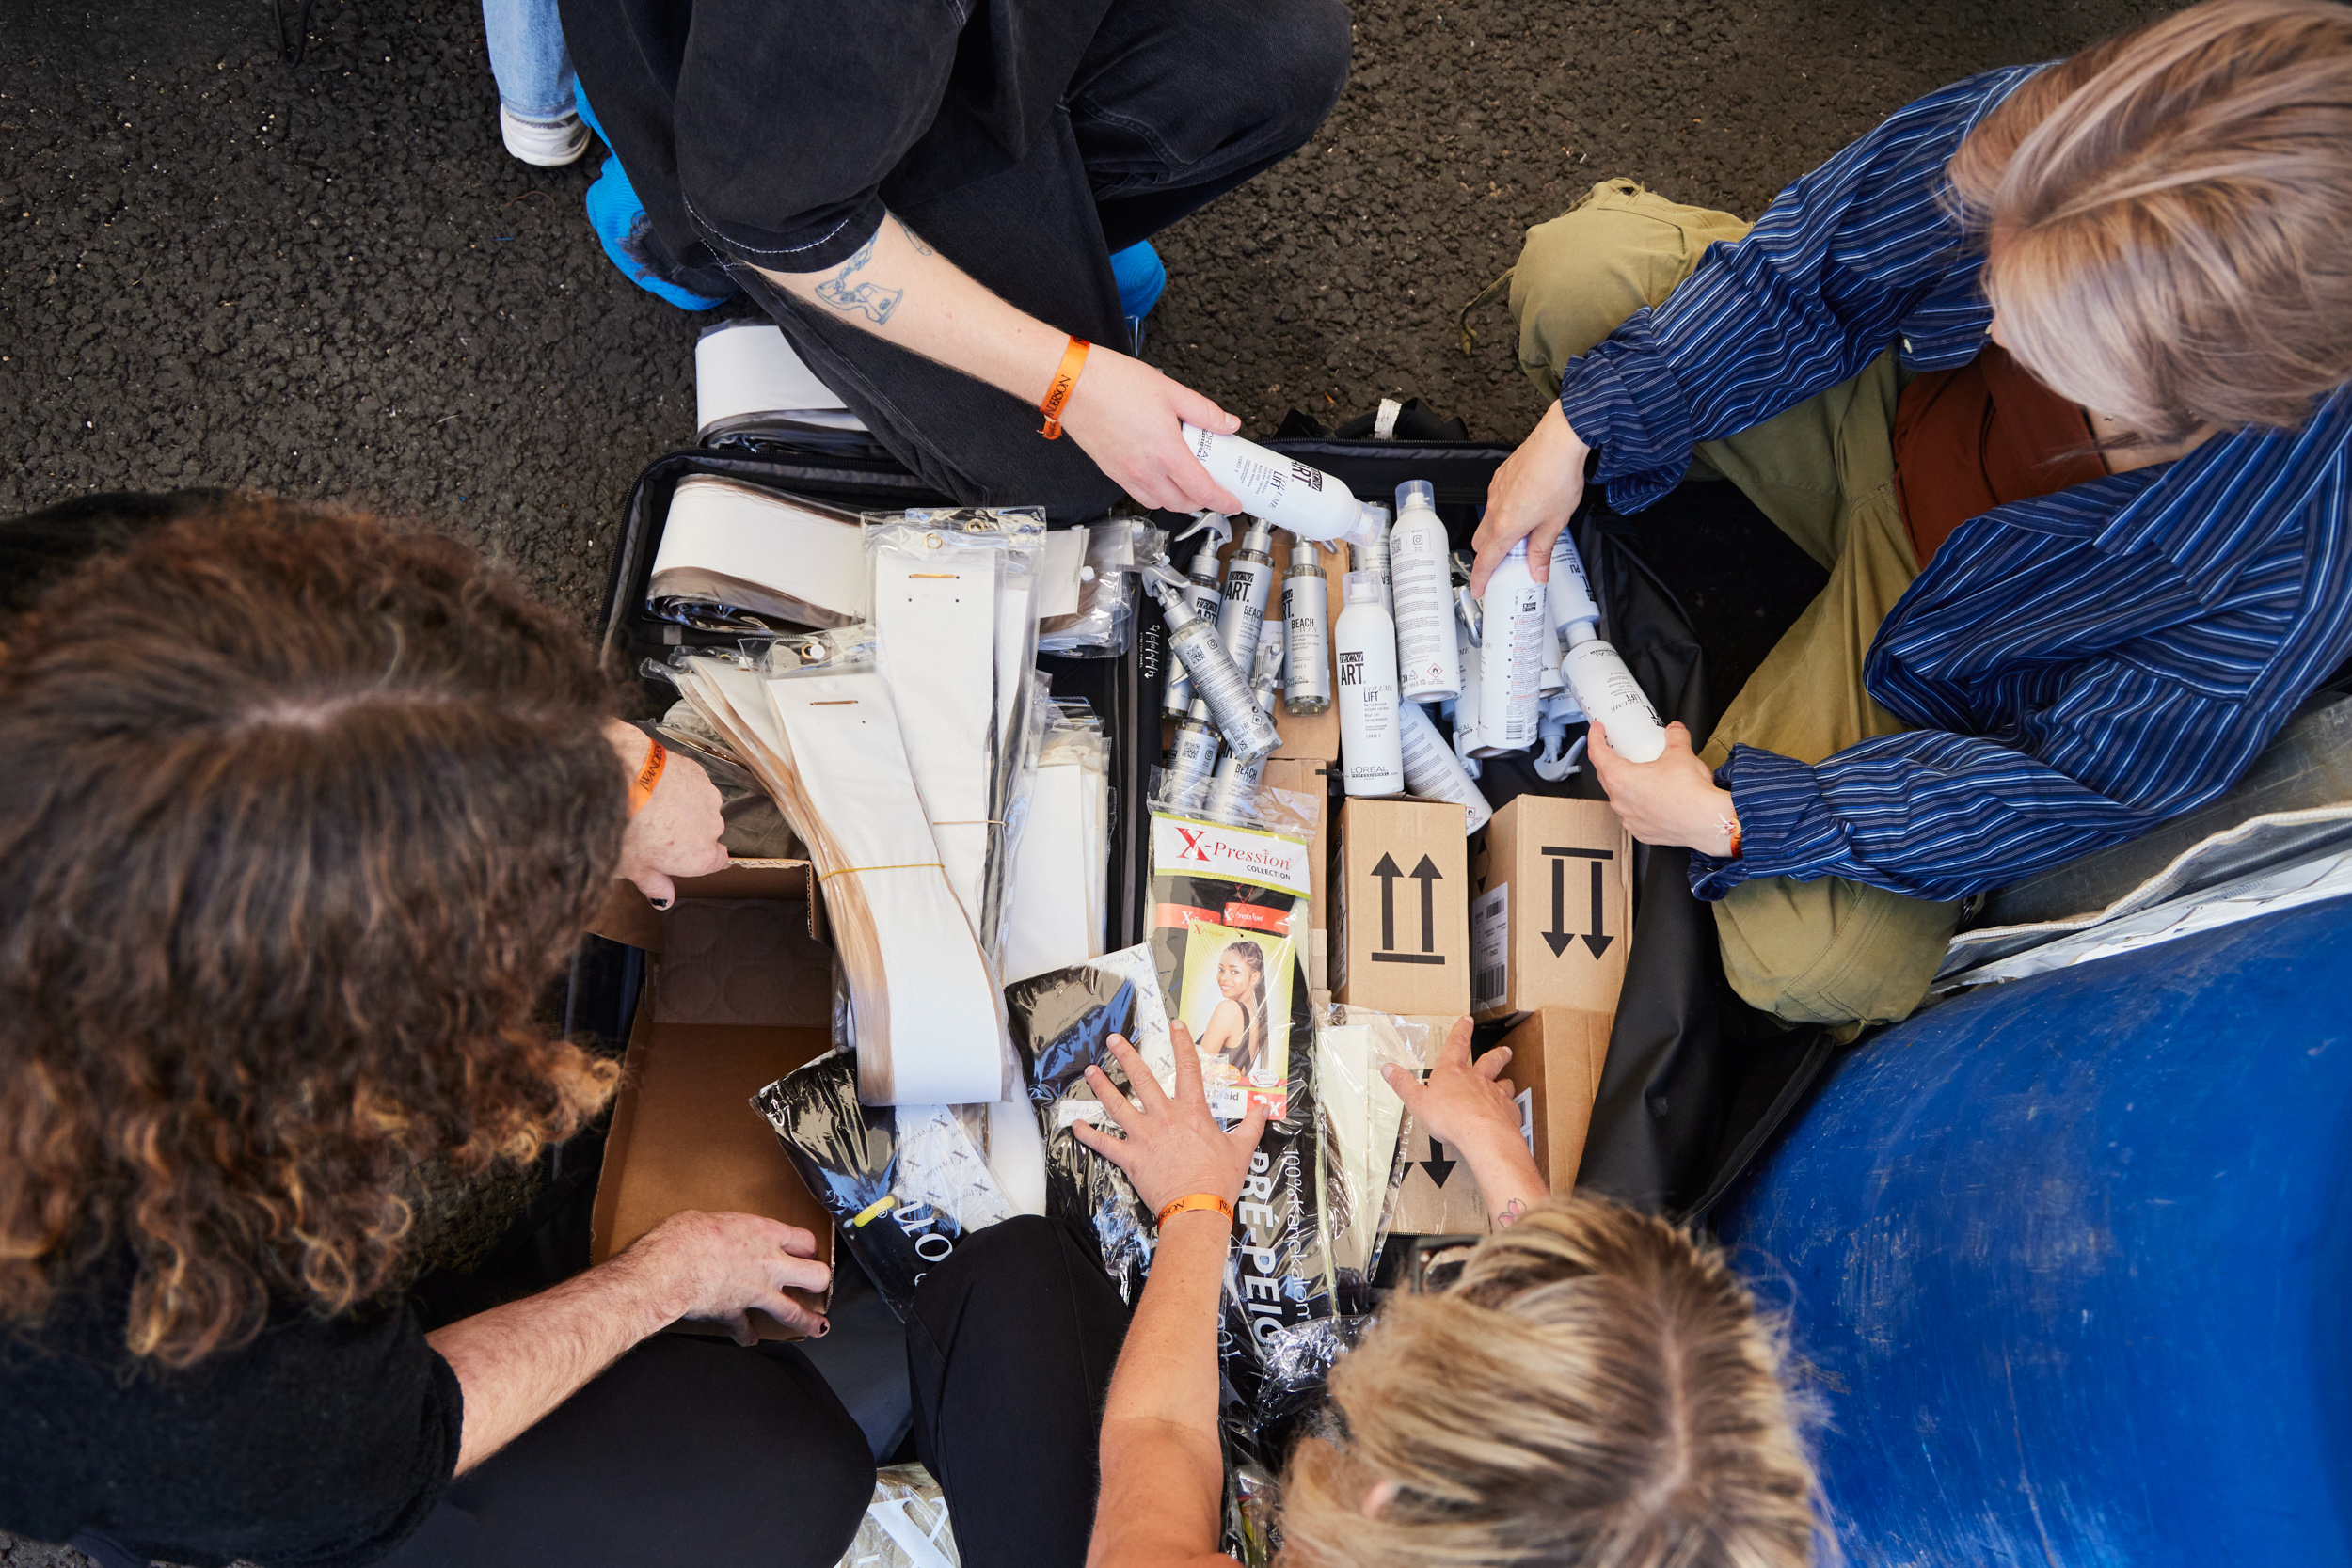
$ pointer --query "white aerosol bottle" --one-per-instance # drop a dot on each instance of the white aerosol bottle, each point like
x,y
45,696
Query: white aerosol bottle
x,y
1236,786
1594,673
1307,631
1368,552
1372,753
1512,654
1428,670
1217,532
1248,589
1433,773
1307,502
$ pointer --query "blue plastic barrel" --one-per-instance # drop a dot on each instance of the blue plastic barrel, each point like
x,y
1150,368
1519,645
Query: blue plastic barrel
x,y
2072,1262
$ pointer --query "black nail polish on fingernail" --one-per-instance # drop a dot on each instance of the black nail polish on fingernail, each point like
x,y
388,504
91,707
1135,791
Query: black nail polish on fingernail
x,y
662,903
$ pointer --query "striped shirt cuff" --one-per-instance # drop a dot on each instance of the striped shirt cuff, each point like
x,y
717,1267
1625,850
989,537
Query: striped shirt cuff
x,y
1786,828
1624,401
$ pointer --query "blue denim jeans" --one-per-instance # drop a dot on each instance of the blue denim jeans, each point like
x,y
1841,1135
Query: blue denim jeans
x,y
528,57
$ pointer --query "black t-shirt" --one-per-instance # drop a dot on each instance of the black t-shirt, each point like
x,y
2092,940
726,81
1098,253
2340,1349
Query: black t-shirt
x,y
324,1442
777,133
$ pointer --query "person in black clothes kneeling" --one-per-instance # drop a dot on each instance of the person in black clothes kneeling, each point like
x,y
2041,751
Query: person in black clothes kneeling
x,y
926,194
303,814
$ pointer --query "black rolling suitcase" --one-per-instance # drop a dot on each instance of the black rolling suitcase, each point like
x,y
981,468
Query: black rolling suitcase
x,y
1692,1078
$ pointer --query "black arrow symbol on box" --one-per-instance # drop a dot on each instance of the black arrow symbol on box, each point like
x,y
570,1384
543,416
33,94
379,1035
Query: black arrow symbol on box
x,y
1558,938
1437,1165
1387,873
1427,874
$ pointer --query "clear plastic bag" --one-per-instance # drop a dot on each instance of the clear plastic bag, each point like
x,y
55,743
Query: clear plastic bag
x,y
1367,1126
906,1526
1231,909
1062,1023
1103,626
900,1217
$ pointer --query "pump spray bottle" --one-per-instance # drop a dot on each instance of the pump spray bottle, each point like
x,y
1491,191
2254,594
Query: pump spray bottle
x,y
1217,529
1512,654
1236,786
1603,687
1249,733
1248,589
1307,631
1190,762
1371,755
1307,502
1428,667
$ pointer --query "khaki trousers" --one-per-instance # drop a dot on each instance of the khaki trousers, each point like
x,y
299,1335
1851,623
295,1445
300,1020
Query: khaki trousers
x,y
1828,951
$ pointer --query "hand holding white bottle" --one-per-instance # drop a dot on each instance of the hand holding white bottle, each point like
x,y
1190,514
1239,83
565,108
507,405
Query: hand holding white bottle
x,y
1282,490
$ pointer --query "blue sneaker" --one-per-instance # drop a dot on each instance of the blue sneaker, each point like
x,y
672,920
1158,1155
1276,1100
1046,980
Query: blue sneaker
x,y
1141,278
618,217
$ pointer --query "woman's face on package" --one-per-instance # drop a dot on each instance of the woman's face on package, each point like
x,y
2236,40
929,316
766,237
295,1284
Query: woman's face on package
x,y
1233,981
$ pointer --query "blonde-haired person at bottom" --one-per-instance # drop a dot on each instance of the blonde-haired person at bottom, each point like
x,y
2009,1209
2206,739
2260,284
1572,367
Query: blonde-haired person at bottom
x,y
2048,373
1596,1389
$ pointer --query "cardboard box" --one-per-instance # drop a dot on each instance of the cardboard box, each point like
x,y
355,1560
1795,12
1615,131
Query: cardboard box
x,y
1551,890
739,994
1400,941
1437,1198
1556,1058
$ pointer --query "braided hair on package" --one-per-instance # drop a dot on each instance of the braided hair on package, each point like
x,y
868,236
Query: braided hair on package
x,y
1231,909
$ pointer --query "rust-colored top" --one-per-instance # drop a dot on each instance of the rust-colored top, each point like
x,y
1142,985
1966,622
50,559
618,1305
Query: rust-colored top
x,y
1970,439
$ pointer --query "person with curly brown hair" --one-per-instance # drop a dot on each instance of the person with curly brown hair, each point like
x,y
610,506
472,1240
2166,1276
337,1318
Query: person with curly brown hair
x,y
302,814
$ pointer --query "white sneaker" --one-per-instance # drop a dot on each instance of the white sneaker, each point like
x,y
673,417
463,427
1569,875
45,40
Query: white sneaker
x,y
542,146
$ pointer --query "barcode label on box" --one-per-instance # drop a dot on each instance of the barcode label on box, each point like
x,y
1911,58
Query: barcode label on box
x,y
1491,948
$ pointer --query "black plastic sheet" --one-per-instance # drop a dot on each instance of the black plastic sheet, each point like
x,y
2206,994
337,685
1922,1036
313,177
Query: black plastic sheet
x,y
848,1154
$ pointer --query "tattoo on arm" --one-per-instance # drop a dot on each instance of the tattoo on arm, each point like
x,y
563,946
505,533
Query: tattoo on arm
x,y
1511,1212
871,300
920,248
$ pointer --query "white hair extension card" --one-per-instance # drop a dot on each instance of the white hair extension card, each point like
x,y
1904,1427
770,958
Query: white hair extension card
x,y
729,549
927,1009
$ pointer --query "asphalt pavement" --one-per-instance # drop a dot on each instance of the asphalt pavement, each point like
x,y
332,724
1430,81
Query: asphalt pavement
x,y
329,281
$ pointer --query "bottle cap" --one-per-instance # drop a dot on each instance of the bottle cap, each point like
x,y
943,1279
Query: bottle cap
x,y
1363,588
1259,535
1307,552
1416,490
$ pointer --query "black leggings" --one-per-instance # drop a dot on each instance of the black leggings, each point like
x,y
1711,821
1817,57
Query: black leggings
x,y
686,1450
691,1450
1010,1351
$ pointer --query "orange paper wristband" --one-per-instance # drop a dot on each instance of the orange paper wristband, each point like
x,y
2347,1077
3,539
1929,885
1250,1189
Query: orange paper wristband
x,y
1196,1200
1073,360
648,775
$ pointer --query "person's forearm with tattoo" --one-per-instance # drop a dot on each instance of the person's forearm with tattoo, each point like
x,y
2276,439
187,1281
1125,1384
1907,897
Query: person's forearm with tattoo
x,y
1122,412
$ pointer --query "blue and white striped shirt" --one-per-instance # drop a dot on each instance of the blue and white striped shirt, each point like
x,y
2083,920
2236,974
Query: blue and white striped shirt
x,y
2082,665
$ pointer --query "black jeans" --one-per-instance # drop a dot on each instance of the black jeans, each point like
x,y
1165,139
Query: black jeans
x,y
690,1449
1011,1349
686,1449
1172,106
